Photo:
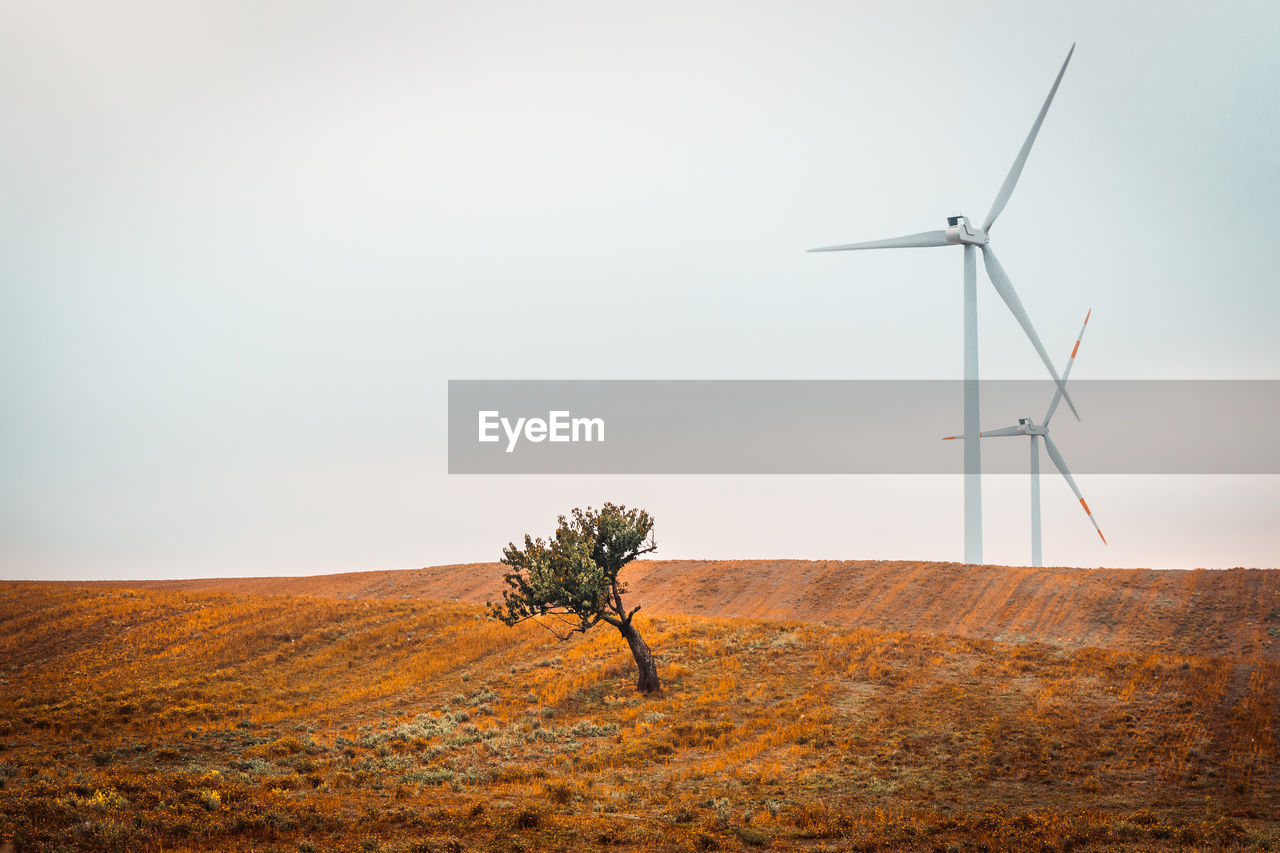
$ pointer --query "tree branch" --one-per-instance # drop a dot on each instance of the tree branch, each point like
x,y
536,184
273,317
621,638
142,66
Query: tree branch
x,y
552,631
653,546
617,600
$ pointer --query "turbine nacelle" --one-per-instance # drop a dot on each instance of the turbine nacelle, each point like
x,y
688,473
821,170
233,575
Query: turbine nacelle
x,y
1026,426
960,233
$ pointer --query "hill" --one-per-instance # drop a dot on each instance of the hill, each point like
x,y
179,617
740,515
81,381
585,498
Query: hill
x,y
1233,613
180,720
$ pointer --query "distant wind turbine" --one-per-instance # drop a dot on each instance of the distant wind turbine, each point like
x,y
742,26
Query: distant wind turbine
x,y
960,232
1028,427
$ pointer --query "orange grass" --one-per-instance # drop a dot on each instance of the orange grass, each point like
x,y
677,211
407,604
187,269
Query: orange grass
x,y
160,720
1231,613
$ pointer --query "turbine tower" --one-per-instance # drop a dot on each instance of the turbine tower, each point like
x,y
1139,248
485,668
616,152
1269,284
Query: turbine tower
x,y
960,233
1028,427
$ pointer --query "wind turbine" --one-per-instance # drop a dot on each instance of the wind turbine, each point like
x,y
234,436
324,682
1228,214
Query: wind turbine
x,y
1028,427
960,233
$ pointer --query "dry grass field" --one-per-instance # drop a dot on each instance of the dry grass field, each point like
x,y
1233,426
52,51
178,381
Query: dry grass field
x,y
367,718
1185,612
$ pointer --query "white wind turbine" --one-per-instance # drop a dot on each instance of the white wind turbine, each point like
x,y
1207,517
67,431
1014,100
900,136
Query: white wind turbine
x,y
960,232
1028,427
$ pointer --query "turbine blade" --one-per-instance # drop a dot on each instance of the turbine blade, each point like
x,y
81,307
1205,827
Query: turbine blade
x,y
992,433
1010,296
922,240
1011,180
952,437
1061,465
1071,362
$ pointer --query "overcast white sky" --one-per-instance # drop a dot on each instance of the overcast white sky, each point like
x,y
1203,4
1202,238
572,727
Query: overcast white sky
x,y
243,247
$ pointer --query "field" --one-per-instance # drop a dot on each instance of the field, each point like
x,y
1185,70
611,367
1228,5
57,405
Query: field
x,y
1219,613
1141,712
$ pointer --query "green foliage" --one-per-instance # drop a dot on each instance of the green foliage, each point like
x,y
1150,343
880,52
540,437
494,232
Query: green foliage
x,y
575,574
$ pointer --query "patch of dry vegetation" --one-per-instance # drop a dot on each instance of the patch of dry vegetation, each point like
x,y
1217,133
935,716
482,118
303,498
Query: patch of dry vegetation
x,y
149,720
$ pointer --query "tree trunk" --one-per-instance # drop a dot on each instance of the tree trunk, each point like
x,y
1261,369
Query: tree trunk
x,y
648,680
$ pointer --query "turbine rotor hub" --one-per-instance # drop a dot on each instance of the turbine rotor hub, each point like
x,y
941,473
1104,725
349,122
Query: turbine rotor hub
x,y
961,233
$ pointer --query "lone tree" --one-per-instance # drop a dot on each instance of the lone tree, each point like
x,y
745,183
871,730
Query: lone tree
x,y
574,578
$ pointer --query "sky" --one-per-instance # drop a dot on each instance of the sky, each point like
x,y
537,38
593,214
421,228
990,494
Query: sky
x,y
244,246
